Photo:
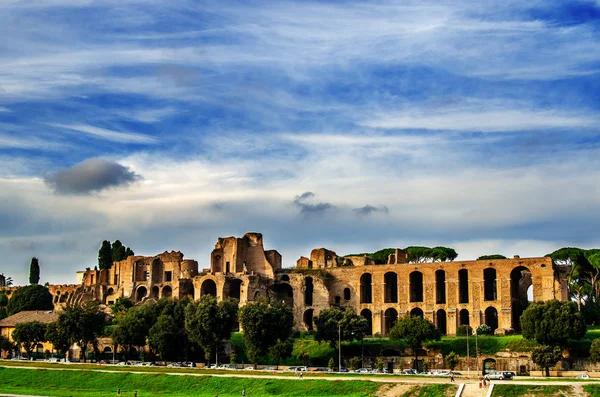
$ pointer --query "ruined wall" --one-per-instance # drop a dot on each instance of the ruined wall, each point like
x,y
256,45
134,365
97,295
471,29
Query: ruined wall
x,y
246,254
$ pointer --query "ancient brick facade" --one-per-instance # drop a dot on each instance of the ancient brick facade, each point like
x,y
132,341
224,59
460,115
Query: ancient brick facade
x,y
475,292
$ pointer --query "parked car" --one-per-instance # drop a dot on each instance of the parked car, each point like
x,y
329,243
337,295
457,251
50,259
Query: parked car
x,y
343,369
409,372
362,371
122,363
226,366
508,374
582,376
321,369
498,375
292,369
250,368
171,365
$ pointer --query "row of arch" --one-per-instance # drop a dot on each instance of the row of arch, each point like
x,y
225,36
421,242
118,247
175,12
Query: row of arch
x,y
440,320
390,280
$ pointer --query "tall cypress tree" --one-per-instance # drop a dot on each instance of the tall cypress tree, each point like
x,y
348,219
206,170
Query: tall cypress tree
x,y
105,256
34,271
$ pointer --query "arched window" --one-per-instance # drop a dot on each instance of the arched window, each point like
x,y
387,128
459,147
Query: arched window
x,y
308,319
308,291
416,286
440,287
440,318
141,293
209,287
491,317
285,277
489,284
463,286
366,313
521,286
347,294
391,317
167,292
233,289
366,292
464,318
391,287
416,312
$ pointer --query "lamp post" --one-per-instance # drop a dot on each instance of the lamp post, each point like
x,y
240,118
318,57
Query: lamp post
x,y
468,355
340,346
476,352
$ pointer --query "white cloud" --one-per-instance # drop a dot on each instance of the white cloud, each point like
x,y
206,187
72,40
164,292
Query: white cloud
x,y
108,135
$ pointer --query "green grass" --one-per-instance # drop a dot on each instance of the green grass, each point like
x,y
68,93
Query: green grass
x,y
520,390
431,391
92,383
592,390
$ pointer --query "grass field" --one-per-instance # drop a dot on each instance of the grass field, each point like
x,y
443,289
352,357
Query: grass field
x,y
93,383
431,391
528,390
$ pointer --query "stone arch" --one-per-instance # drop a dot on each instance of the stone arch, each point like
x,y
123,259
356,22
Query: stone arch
x,y
284,293
166,292
417,312
463,317
56,298
489,365
491,318
366,313
416,286
440,287
390,279
141,293
186,289
256,295
209,287
440,320
107,349
308,291
285,277
391,318
520,283
154,292
233,289
308,319
463,286
489,284
347,294
366,288
110,291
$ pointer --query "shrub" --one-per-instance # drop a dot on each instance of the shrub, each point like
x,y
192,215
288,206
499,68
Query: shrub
x,y
331,364
380,363
464,330
354,362
484,329
595,351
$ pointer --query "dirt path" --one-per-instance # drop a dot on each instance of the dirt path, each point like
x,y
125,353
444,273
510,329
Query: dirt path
x,y
394,390
473,390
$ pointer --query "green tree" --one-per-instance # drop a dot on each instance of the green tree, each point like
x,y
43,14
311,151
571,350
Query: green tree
x,y
281,349
34,271
207,322
354,363
595,351
452,360
264,323
578,264
59,339
3,304
329,321
5,345
546,357
31,297
491,257
118,251
379,363
415,331
121,305
82,323
133,326
417,254
105,256
552,322
29,335
443,254
331,364
163,337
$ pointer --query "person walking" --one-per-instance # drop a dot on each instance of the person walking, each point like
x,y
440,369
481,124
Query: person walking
x,y
451,377
243,392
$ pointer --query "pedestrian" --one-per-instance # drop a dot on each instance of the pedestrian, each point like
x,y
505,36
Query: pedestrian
x,y
451,376
487,380
243,392
480,382
300,375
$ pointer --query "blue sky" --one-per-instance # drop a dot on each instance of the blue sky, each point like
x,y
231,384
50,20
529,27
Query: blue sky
x,y
350,125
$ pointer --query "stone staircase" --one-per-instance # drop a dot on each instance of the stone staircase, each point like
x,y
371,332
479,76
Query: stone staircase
x,y
473,390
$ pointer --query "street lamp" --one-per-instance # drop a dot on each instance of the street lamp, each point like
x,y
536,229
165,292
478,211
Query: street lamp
x,y
340,346
468,355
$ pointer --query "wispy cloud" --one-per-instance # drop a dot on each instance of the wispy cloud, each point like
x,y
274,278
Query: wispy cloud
x,y
108,135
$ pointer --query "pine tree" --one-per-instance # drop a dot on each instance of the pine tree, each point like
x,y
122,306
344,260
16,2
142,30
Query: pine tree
x,y
105,256
34,271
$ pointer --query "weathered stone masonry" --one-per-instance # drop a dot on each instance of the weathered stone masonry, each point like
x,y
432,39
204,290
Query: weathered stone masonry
x,y
492,292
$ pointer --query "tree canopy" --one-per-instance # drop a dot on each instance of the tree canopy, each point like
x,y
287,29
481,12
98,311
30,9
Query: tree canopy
x,y
546,357
328,322
264,324
105,256
552,322
208,322
34,271
29,335
30,297
81,324
491,257
415,330
417,254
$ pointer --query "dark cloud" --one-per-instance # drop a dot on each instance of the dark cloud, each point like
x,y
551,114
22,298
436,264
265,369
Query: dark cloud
x,y
368,209
91,175
307,208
